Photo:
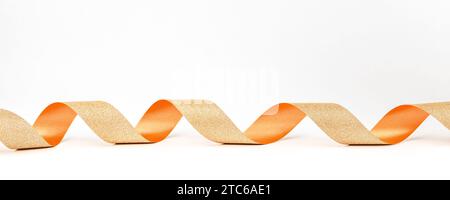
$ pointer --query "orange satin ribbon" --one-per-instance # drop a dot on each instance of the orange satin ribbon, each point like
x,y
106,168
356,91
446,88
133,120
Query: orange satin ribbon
x,y
208,119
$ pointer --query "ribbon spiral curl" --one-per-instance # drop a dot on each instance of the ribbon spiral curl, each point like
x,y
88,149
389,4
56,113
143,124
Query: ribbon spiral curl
x,y
208,119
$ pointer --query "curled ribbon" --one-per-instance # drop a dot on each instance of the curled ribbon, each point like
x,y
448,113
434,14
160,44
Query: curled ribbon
x,y
208,119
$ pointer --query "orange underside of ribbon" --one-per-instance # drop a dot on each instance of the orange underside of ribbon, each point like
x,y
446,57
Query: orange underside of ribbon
x,y
210,121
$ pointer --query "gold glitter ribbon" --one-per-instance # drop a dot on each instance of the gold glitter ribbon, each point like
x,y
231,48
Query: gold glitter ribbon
x,y
209,120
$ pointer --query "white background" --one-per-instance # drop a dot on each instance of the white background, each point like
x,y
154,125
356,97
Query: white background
x,y
245,55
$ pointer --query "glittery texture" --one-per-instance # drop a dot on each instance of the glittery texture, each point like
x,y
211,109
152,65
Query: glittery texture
x,y
209,120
